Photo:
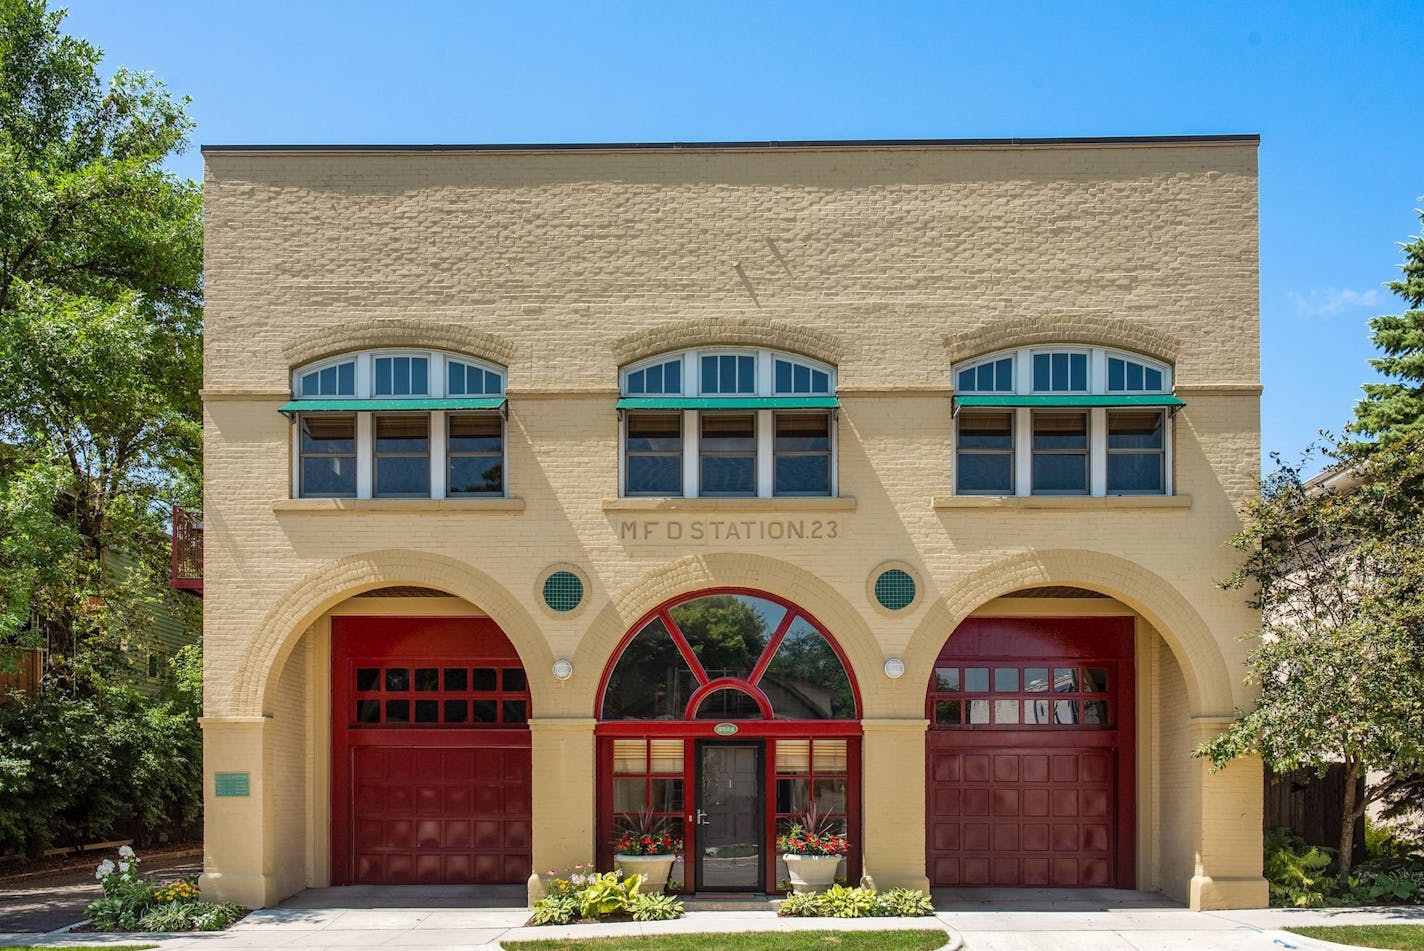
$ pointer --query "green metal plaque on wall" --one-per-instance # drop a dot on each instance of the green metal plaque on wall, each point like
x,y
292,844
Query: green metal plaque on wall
x,y
232,784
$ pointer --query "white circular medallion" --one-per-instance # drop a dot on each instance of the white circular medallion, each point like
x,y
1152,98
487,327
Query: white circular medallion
x,y
563,669
894,668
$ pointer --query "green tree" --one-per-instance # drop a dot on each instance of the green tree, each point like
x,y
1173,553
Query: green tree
x,y
1338,575
100,342
1391,409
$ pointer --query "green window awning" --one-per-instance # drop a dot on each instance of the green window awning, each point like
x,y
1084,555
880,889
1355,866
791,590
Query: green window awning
x,y
1117,399
728,402
391,404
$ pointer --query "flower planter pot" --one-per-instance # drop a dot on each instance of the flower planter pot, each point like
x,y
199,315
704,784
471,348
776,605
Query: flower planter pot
x,y
811,873
653,868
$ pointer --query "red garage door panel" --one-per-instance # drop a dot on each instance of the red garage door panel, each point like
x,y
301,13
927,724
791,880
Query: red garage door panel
x,y
1029,758
430,753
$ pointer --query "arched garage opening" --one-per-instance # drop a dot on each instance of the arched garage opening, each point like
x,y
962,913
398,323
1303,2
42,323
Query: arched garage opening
x,y
1031,752
431,756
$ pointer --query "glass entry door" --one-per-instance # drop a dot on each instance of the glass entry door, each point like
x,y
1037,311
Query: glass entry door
x,y
730,824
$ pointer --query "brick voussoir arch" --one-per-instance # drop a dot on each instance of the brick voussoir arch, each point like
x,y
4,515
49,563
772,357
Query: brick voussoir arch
x,y
729,331
1095,329
1211,688
279,632
727,569
375,333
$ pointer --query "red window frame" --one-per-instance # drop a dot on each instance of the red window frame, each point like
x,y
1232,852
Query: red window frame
x,y
690,731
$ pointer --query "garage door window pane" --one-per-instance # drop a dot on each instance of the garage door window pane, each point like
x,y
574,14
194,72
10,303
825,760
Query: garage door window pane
x,y
1095,680
947,679
1006,711
485,678
1065,680
1006,679
427,711
427,678
368,711
457,679
1036,679
397,711
1095,711
978,711
947,711
485,711
397,679
368,678
1036,711
456,711
976,679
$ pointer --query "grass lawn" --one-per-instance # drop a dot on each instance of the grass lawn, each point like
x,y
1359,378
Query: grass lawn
x,y
1368,936
752,941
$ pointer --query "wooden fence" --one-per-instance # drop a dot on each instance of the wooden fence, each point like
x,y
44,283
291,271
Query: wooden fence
x,y
1309,805
20,670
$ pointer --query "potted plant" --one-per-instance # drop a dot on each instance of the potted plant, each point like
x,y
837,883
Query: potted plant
x,y
647,849
812,853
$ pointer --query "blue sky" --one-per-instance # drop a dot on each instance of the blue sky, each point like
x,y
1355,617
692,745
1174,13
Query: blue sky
x,y
1331,88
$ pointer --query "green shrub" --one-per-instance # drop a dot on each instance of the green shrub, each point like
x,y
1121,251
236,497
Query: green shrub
x,y
838,901
842,902
1396,881
608,894
555,910
1298,874
1387,843
905,903
208,916
656,907
801,905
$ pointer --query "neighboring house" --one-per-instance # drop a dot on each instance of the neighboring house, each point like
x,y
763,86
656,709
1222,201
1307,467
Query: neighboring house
x,y
549,484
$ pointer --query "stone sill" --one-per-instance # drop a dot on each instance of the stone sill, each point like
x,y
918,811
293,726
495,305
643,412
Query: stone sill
x,y
1071,503
402,506
842,504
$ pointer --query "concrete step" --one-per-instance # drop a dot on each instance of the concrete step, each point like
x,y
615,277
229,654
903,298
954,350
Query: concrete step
x,y
731,901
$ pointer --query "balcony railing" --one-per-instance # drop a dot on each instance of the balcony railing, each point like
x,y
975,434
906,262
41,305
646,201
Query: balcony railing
x,y
187,551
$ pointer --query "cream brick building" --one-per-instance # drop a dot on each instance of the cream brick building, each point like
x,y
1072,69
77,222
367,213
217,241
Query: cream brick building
x,y
546,485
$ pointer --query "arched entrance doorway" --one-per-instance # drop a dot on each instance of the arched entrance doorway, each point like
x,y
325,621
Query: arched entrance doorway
x,y
729,715
1030,754
431,762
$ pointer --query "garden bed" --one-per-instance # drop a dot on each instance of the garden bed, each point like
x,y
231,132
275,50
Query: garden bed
x,y
917,940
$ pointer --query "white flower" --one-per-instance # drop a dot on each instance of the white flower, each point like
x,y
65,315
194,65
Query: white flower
x,y
105,869
126,852
124,867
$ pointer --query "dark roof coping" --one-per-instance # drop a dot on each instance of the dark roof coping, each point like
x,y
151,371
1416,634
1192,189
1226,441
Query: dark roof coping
x,y
749,145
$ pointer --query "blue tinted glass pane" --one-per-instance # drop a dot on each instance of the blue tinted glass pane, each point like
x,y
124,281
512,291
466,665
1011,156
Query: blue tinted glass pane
x,y
328,476
635,382
1004,376
986,378
1135,430
727,374
383,376
651,681
455,379
1116,377
1079,364
709,374
420,375
1060,371
402,476
728,475
1135,472
672,377
655,379
476,474
820,382
783,376
328,381
1134,376
966,380
1154,380
493,384
346,379
1066,473
655,475
803,475
1040,371
400,372
803,379
311,385
746,373
985,472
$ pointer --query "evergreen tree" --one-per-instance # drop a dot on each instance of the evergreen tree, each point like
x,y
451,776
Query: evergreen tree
x,y
1391,409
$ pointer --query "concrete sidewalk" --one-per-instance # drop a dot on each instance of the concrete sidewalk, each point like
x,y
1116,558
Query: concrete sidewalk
x,y
1145,923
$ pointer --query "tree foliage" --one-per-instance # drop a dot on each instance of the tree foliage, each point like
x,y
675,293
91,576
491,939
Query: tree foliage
x,y
1338,574
1392,409
100,344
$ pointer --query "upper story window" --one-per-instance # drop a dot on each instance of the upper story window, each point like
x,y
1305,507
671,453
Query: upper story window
x,y
398,424
1063,421
727,423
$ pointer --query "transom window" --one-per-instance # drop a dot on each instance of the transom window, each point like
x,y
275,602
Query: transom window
x,y
729,657
440,695
1063,421
728,423
1019,695
398,424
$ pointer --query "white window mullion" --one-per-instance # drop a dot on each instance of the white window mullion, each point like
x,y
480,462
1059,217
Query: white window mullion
x,y
1097,370
365,455
691,454
764,363
365,379
1098,451
439,455
834,429
297,456
764,434
436,378
1023,451
1023,372
1167,487
691,374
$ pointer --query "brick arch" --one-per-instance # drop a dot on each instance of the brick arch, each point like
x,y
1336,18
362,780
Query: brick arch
x,y
724,331
1100,330
698,572
402,332
278,633
1211,688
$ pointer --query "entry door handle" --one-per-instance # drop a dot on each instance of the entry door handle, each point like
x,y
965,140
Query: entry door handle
x,y
701,818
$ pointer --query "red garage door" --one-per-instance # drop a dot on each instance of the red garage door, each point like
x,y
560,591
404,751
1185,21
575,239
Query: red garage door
x,y
1030,769
430,753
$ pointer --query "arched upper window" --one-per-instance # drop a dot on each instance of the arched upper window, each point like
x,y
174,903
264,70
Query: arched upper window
x,y
727,422
728,656
1062,369
399,423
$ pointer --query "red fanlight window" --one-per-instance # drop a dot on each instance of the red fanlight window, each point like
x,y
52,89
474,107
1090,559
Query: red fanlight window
x,y
729,656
